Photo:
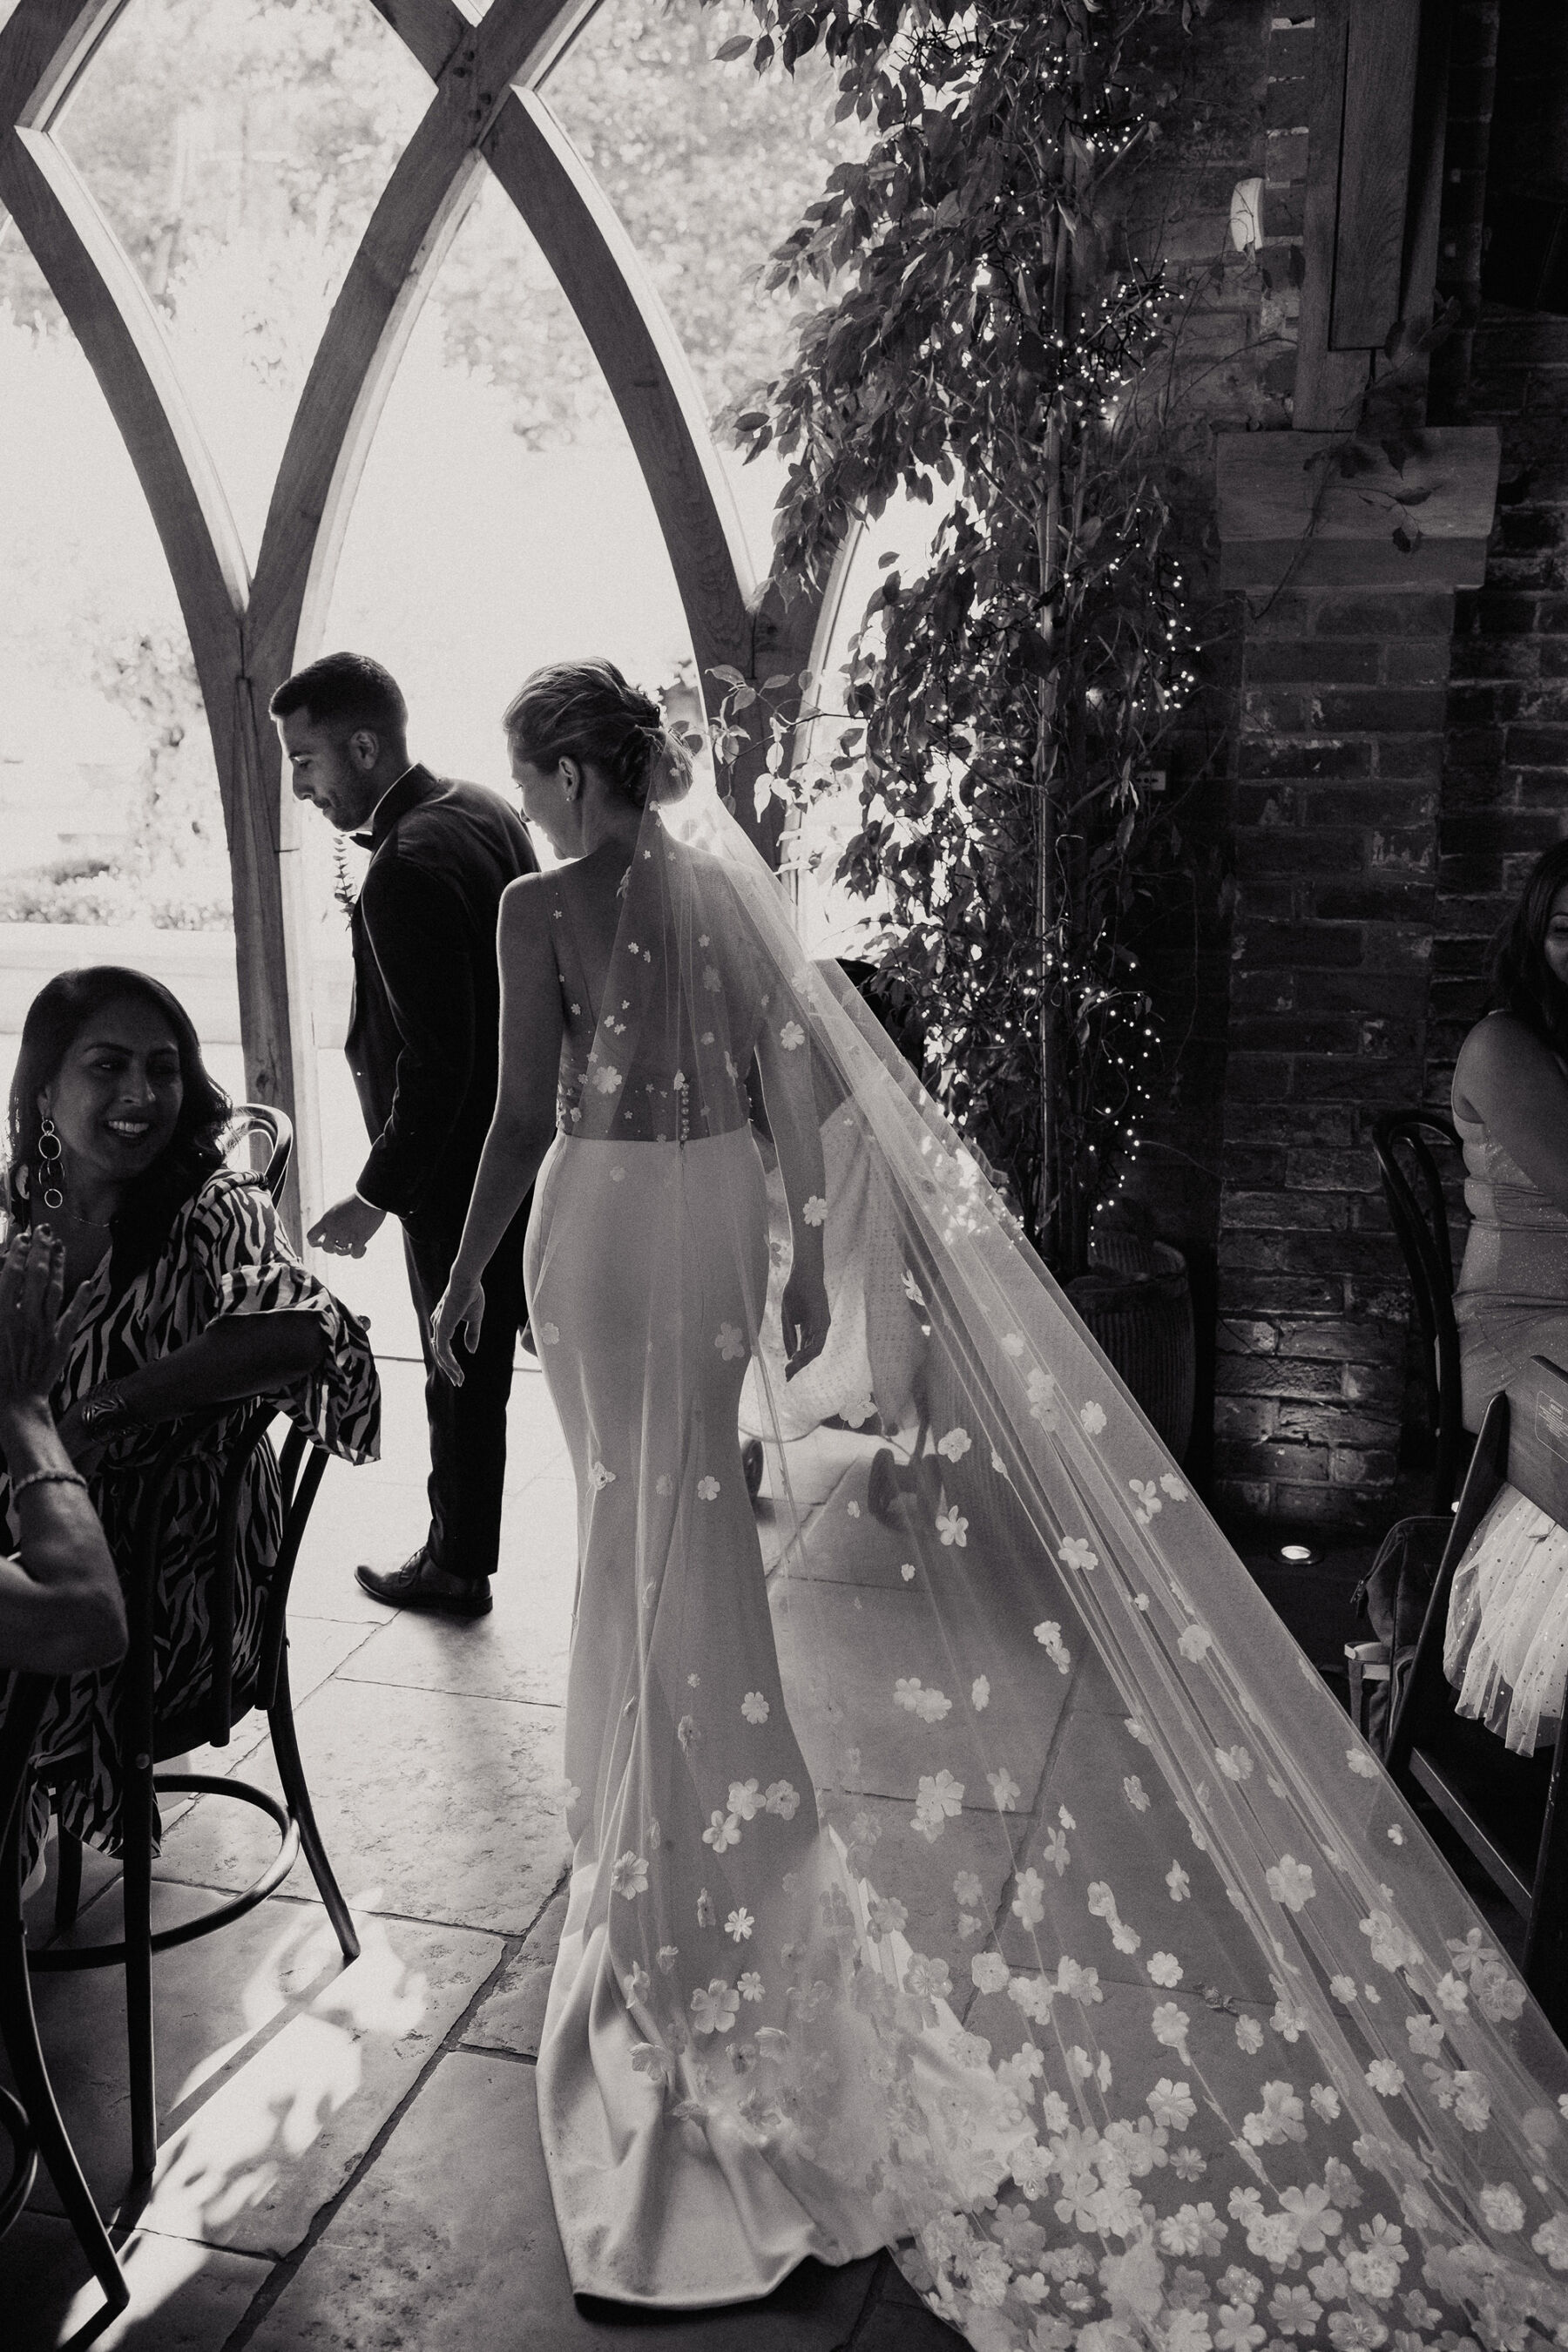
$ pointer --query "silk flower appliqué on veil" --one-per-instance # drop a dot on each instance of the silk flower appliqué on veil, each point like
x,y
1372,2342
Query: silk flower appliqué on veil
x,y
965,1857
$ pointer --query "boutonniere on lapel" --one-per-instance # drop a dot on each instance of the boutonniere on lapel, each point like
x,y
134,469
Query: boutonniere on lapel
x,y
345,889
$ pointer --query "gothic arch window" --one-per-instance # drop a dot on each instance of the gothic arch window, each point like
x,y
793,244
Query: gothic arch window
x,y
438,114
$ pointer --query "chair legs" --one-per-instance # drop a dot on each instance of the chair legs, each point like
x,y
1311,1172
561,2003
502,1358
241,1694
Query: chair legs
x,y
291,1773
136,1829
19,2033
67,1886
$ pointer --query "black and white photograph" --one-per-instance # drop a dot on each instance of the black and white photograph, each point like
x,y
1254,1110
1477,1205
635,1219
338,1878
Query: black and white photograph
x,y
783,1222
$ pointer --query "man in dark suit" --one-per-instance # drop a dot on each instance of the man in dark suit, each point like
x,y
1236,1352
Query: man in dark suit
x,y
423,1044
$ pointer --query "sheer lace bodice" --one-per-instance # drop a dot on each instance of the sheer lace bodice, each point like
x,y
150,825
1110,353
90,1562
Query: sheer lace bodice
x,y
657,1043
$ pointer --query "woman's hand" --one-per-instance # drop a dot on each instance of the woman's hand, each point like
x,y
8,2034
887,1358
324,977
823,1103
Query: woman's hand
x,y
804,1315
460,1314
36,1328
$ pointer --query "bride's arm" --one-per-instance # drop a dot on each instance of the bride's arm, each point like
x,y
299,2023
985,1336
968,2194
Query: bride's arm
x,y
791,1101
523,1125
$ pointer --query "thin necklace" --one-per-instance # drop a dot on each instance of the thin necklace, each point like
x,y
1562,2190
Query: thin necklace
x,y
95,1224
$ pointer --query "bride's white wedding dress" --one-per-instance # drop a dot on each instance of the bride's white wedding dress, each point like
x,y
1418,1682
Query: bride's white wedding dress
x,y
963,1857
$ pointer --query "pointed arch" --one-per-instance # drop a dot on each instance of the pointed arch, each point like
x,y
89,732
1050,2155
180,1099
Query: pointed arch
x,y
246,636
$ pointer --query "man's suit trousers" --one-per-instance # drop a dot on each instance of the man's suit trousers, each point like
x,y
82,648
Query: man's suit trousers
x,y
467,1424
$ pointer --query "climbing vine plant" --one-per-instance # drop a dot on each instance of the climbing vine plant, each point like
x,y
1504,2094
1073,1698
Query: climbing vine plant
x,y
974,342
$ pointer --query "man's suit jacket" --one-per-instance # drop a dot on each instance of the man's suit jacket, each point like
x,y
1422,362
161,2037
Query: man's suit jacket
x,y
425,1036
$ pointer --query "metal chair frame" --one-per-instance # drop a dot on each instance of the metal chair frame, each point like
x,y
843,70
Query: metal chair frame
x,y
144,1742
1421,1224
1523,1442
34,2121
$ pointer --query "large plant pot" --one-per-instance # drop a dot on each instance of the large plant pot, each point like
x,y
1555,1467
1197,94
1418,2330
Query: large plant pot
x,y
1138,1304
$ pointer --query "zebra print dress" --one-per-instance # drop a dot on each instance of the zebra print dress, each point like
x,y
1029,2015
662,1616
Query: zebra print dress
x,y
226,1255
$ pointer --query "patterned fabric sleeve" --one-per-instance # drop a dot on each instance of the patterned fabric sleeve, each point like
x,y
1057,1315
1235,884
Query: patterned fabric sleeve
x,y
242,1262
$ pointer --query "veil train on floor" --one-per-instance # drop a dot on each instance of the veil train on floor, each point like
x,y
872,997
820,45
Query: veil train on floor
x,y
965,1858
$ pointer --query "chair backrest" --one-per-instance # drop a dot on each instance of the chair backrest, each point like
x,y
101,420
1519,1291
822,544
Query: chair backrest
x,y
300,1473
275,1129
1419,1213
1523,1443
1535,1462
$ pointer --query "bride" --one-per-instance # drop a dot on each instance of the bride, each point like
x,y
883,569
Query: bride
x,y
964,1858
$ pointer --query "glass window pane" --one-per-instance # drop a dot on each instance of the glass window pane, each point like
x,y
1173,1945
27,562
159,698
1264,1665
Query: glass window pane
x,y
835,921
709,166
111,837
497,527
238,152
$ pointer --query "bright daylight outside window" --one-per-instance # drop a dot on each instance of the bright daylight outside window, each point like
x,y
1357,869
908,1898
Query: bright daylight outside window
x,y
237,154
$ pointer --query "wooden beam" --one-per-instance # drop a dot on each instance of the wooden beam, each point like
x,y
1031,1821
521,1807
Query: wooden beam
x,y
646,370
1329,385
1375,170
44,46
44,50
597,269
110,314
731,618
419,212
1428,132
1282,523
245,640
519,40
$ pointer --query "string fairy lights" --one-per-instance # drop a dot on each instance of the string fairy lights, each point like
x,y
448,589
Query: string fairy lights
x,y
1010,689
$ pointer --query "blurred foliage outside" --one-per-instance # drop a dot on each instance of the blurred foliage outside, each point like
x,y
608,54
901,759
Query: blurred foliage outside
x,y
238,153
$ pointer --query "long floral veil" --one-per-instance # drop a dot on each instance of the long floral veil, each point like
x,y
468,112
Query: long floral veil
x,y
1086,1955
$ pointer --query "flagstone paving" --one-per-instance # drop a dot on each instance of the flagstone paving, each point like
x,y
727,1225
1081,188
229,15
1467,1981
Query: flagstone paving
x,y
350,2156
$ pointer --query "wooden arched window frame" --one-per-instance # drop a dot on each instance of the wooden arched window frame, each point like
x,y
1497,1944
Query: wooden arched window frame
x,y
248,631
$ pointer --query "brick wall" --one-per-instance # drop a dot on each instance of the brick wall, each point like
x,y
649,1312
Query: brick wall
x,y
1505,788
1231,370
1395,784
1336,846
1379,771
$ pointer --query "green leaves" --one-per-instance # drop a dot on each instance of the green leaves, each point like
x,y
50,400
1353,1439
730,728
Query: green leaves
x,y
1011,682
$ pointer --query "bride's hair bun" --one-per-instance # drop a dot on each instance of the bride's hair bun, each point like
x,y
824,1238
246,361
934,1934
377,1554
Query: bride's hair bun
x,y
586,711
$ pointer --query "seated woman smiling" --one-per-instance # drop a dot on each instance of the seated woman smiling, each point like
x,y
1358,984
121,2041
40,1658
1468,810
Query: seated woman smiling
x,y
188,1295
1510,1107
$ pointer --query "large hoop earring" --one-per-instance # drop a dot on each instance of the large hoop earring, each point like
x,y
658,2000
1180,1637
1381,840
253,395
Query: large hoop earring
x,y
51,1178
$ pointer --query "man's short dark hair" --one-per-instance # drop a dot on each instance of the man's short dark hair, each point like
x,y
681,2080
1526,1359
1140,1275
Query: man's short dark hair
x,y
344,691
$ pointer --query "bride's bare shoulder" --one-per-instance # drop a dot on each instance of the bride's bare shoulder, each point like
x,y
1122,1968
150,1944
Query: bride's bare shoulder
x,y
526,906
527,898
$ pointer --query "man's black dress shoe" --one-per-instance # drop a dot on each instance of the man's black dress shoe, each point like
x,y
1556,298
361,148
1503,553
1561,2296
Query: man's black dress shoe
x,y
419,1585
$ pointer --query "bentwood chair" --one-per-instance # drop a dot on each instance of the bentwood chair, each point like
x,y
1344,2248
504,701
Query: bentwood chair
x,y
1420,1216
33,2122
1511,1811
275,1131
147,1739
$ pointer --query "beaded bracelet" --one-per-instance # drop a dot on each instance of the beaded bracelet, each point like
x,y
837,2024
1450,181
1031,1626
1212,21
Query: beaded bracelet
x,y
47,1477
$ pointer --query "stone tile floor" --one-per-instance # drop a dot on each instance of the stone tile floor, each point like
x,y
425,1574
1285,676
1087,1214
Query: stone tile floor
x,y
350,2157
